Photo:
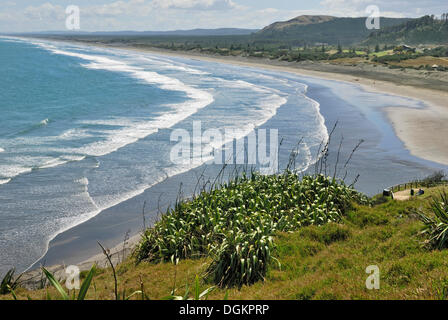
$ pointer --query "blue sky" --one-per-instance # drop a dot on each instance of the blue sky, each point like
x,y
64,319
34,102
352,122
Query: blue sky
x,y
101,15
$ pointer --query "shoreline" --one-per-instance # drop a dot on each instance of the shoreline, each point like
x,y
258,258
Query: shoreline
x,y
422,131
414,127
416,138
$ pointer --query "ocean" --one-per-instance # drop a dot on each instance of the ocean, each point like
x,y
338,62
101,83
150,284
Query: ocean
x,y
86,129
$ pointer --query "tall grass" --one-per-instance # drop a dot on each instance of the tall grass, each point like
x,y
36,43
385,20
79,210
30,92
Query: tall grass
x,y
234,222
64,295
197,294
437,227
9,282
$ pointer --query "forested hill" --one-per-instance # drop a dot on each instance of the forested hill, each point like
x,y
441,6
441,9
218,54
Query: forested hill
x,y
425,30
322,29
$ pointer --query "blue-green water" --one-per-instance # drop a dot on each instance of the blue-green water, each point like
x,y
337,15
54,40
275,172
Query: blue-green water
x,y
84,129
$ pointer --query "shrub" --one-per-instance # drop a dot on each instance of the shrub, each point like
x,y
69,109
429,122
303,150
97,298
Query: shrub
x,y
234,223
242,259
9,282
396,57
434,179
437,227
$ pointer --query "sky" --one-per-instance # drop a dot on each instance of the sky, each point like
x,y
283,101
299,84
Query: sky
x,y
162,15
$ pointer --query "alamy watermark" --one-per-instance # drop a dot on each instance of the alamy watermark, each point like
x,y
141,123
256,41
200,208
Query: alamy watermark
x,y
72,280
373,280
230,146
373,21
73,18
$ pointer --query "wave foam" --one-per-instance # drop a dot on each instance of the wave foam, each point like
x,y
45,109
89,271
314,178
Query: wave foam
x,y
60,161
44,122
198,99
4,181
11,171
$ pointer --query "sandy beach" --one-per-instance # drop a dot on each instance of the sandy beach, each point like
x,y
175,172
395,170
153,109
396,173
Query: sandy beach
x,y
423,131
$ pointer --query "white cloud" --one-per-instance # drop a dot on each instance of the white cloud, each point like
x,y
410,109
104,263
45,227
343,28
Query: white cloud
x,y
142,8
195,4
117,8
388,8
6,16
46,11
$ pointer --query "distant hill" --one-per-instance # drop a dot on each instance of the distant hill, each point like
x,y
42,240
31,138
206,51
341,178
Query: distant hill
x,y
193,32
425,30
322,29
298,21
204,32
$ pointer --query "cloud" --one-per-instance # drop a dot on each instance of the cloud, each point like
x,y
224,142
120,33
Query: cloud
x,y
195,4
388,8
117,8
141,8
45,11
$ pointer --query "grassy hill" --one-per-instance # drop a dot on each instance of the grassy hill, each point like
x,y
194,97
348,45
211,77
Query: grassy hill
x,y
321,29
298,21
425,30
311,259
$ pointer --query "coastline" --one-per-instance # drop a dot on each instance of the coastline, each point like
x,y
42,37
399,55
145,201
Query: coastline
x,y
414,127
423,131
421,141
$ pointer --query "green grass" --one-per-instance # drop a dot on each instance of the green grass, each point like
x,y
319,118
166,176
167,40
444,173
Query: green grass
x,y
381,53
315,262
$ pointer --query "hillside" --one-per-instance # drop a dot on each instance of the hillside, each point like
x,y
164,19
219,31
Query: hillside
x,y
425,30
298,21
321,29
325,262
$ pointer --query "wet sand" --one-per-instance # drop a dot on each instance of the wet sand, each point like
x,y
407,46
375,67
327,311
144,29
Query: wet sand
x,y
424,132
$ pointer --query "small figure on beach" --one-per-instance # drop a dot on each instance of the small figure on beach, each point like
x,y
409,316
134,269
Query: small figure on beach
x,y
421,192
412,192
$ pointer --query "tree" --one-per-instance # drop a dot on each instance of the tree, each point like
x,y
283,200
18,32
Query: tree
x,y
377,48
339,48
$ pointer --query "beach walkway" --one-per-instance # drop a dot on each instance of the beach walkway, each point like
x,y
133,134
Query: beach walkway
x,y
405,195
